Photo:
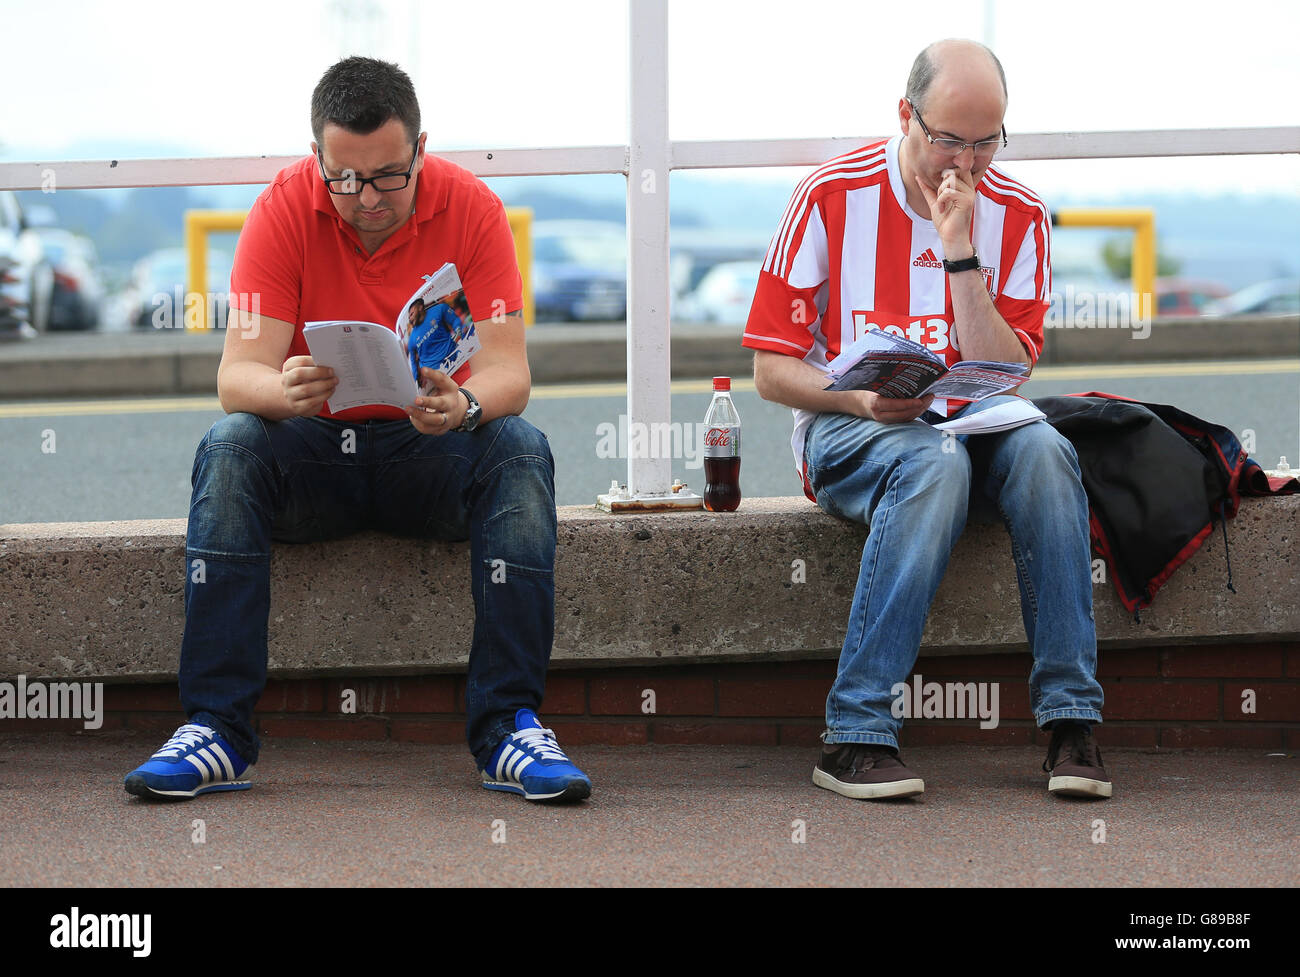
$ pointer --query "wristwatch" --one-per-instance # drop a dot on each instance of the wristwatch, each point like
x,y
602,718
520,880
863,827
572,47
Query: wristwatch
x,y
472,414
965,264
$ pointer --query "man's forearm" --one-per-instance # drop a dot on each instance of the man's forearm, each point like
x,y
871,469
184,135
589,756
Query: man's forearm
x,y
789,380
501,381
252,388
500,389
982,333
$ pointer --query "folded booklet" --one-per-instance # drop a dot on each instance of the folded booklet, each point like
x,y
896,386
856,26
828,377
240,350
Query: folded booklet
x,y
999,417
379,365
893,366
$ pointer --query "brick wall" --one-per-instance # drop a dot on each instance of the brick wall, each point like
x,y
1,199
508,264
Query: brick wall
x,y
1171,697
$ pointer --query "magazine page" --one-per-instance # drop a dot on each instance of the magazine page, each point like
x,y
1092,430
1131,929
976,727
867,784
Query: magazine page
x,y
875,341
369,360
436,327
1019,369
890,374
973,384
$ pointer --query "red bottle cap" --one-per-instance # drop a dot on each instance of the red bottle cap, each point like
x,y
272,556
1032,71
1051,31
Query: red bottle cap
x,y
722,383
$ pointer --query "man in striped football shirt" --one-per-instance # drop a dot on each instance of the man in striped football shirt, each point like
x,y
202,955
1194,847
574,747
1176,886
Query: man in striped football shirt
x,y
923,237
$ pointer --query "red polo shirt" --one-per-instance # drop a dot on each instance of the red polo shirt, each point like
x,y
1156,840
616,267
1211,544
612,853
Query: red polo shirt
x,y
305,263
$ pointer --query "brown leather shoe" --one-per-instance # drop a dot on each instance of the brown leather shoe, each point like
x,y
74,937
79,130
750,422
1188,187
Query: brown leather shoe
x,y
865,770
1074,762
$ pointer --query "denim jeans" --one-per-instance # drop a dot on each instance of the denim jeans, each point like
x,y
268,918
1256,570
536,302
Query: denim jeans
x,y
915,491
295,481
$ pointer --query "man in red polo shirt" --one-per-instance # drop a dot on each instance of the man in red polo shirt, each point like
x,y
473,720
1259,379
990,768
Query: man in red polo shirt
x,y
351,232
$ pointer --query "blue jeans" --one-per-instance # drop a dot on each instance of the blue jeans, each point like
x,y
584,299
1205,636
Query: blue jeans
x,y
915,495
296,481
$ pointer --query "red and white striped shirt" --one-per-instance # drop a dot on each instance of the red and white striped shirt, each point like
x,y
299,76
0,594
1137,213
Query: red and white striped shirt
x,y
850,255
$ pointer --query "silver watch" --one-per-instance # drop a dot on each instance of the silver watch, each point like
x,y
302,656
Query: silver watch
x,y
472,414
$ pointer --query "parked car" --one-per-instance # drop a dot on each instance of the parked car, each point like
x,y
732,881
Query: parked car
x,y
1280,296
1186,296
579,271
78,289
696,250
32,277
1086,300
724,295
158,291
13,302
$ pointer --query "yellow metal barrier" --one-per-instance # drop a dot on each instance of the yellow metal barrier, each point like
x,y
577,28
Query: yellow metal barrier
x,y
521,226
200,223
1143,222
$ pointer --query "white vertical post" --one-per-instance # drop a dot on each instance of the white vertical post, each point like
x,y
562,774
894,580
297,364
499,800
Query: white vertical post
x,y
648,350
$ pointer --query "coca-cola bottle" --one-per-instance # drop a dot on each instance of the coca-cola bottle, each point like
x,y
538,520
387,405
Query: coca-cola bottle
x,y
722,450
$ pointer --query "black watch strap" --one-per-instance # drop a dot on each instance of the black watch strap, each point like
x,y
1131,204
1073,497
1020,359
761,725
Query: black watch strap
x,y
966,264
472,413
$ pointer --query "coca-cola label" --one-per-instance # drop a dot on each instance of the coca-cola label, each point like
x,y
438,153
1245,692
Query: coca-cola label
x,y
722,442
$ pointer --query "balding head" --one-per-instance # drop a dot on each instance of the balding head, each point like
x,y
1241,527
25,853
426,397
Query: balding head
x,y
954,65
956,95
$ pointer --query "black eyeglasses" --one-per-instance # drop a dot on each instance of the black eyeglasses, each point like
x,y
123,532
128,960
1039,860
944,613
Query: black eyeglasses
x,y
350,186
953,147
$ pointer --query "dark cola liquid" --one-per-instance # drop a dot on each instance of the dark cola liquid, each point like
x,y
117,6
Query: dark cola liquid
x,y
722,484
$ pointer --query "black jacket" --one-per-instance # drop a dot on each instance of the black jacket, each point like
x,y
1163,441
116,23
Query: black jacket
x,y
1157,481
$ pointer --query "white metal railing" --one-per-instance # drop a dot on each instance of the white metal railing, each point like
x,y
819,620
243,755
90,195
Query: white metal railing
x,y
646,161
649,359
682,155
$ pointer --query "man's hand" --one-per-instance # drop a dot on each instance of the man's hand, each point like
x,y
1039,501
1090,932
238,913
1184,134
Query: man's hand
x,y
952,206
979,328
306,386
443,410
889,410
786,379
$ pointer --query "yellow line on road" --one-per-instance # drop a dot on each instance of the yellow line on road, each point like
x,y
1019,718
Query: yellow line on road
x,y
86,407
1198,369
1096,372
560,391
573,391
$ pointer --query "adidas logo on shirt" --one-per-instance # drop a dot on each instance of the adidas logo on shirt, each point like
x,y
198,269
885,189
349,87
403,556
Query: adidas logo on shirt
x,y
927,260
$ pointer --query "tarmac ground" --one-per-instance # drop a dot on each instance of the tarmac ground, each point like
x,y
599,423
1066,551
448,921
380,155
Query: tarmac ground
x,y
381,814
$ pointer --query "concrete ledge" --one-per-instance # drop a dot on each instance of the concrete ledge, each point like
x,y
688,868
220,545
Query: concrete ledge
x,y
105,600
146,362
176,362
1175,339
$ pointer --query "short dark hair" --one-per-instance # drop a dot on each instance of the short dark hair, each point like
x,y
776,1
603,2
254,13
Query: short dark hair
x,y
925,68
362,94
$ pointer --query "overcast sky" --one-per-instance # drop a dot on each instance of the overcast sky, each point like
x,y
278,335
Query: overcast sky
x,y
236,78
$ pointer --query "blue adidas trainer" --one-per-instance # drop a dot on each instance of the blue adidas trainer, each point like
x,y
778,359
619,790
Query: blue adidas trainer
x,y
194,761
531,763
